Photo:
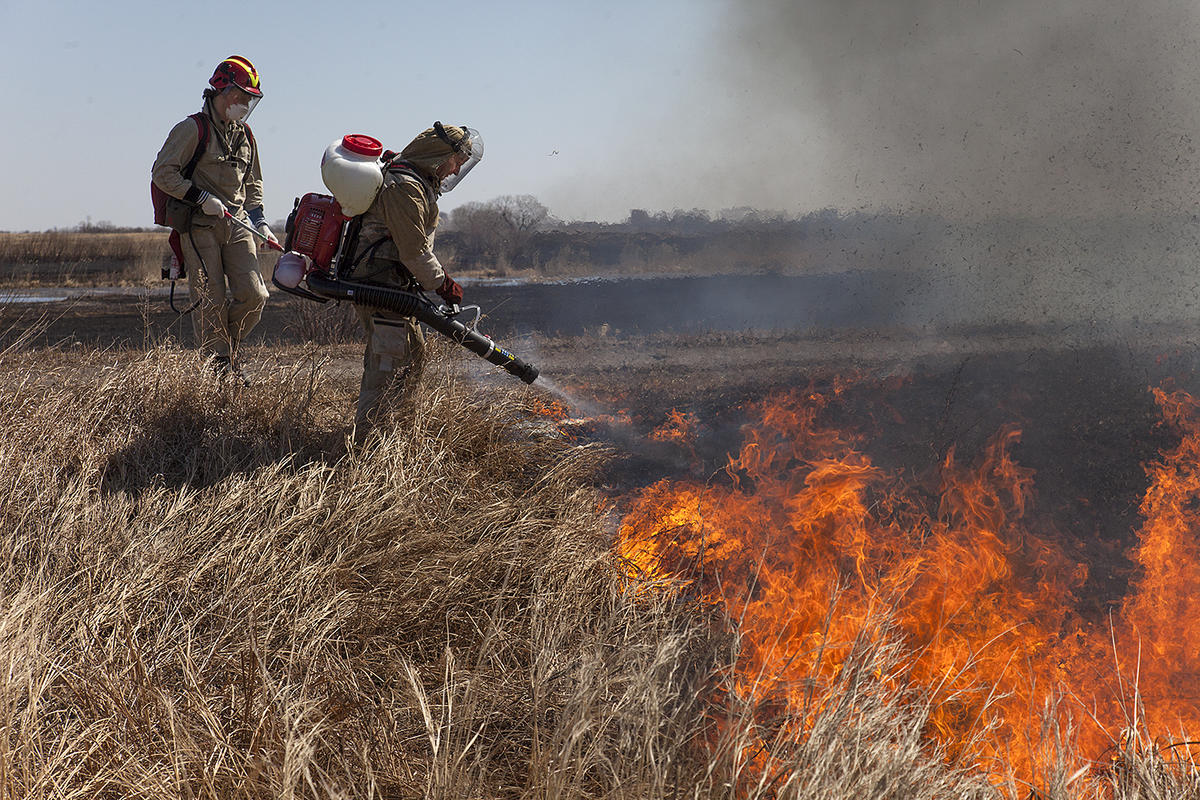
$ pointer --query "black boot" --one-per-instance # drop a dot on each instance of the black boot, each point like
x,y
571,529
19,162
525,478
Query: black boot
x,y
223,367
236,374
220,366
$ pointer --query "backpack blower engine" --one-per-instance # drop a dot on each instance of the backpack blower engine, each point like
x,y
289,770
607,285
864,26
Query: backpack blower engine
x,y
321,233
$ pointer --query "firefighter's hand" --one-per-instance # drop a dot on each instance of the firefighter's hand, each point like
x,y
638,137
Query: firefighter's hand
x,y
212,206
265,230
450,291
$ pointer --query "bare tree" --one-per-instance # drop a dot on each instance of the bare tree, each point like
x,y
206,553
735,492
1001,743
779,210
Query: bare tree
x,y
522,212
480,232
498,230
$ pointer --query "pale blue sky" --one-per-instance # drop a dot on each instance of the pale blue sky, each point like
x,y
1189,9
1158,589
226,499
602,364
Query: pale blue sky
x,y
1071,107
92,89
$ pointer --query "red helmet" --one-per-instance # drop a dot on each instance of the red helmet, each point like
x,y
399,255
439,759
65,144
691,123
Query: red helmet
x,y
236,71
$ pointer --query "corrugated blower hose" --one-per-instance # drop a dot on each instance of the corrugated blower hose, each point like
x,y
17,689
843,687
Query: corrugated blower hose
x,y
410,304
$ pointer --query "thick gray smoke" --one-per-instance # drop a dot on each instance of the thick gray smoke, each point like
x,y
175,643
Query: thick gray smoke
x,y
1057,140
1077,108
1041,155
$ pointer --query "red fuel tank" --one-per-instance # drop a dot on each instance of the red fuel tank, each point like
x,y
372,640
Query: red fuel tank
x,y
315,228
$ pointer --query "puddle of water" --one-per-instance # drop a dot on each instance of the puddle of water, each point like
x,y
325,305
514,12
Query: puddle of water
x,y
31,298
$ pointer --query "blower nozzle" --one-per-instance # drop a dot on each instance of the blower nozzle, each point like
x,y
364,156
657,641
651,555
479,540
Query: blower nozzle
x,y
409,304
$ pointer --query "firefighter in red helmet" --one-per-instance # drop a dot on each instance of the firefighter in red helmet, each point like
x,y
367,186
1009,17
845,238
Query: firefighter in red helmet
x,y
210,162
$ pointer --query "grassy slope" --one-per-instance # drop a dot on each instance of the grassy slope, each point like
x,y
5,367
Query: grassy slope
x,y
204,593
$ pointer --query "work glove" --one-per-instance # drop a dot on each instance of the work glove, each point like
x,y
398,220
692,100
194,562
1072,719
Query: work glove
x,y
265,230
450,291
212,206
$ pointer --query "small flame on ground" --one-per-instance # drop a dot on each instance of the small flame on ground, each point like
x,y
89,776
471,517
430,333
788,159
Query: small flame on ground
x,y
575,416
576,404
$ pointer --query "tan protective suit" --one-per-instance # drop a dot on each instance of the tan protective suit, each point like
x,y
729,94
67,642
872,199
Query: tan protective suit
x,y
227,284
397,232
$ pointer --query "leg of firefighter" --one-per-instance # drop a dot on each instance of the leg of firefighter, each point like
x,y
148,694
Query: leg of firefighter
x,y
392,360
247,292
206,284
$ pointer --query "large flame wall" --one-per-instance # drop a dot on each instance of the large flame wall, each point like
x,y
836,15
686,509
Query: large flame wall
x,y
979,586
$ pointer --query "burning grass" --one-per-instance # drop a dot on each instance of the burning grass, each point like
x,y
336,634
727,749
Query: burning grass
x,y
813,548
204,592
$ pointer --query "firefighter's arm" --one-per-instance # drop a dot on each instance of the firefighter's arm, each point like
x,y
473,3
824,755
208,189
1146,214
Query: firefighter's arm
x,y
404,211
176,151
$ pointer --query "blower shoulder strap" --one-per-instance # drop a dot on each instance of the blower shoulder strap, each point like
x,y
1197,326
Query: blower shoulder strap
x,y
160,199
349,246
201,145
404,168
250,139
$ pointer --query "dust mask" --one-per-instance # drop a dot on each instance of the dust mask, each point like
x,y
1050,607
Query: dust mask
x,y
237,113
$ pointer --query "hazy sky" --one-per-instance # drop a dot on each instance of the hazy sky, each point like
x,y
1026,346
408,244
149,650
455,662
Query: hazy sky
x,y
557,89
967,106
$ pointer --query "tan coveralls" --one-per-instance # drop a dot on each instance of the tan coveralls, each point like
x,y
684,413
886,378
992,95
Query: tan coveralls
x,y
228,284
402,219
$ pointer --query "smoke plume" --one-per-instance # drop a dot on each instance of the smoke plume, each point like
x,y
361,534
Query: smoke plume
x,y
1010,108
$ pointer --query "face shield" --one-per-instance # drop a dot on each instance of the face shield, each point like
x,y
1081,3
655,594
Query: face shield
x,y
239,103
467,150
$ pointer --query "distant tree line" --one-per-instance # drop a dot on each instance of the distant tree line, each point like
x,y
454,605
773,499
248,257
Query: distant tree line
x,y
104,226
518,233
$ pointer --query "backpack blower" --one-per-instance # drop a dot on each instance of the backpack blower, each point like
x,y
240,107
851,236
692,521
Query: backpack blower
x,y
322,233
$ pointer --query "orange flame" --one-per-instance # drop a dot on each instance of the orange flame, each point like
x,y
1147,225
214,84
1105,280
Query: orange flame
x,y
985,602
545,407
1160,613
569,424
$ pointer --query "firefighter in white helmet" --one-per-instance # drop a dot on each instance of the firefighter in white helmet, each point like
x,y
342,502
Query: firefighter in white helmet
x,y
395,248
210,161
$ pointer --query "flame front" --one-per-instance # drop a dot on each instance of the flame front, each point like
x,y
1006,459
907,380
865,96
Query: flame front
x,y
1161,612
984,602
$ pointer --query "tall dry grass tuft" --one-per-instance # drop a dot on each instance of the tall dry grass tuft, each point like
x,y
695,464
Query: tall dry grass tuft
x,y
206,594
322,323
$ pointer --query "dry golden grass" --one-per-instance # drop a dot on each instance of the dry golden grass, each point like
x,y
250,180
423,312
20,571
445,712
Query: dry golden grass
x,y
70,258
66,258
322,323
204,592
